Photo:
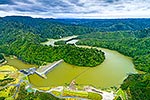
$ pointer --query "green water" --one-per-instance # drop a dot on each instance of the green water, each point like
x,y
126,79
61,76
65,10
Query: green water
x,y
110,73
18,63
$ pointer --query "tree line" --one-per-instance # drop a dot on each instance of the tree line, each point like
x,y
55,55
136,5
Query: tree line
x,y
27,49
134,44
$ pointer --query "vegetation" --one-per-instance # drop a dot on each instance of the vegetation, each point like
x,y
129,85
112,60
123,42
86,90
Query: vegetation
x,y
107,25
118,98
39,54
55,28
60,42
82,94
21,36
45,28
5,81
2,98
94,96
71,93
11,90
83,56
23,94
2,59
133,44
56,93
120,94
137,87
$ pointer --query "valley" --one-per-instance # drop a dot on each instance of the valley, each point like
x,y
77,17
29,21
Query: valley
x,y
101,58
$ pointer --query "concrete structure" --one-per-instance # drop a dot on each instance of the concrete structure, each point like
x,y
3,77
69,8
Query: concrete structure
x,y
41,71
28,71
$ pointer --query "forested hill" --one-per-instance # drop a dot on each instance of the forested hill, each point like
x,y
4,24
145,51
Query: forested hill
x,y
21,36
104,25
135,44
45,28
56,28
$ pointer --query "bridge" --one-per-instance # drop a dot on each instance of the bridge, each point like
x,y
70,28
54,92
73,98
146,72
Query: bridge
x,y
41,71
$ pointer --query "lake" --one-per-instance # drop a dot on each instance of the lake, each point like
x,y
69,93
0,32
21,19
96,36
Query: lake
x,y
111,72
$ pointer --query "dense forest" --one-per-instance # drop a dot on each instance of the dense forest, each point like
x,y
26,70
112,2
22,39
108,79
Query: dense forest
x,y
21,36
134,44
107,25
29,50
83,56
45,28
56,28
137,87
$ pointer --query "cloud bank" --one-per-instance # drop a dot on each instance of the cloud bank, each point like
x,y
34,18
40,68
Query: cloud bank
x,y
76,8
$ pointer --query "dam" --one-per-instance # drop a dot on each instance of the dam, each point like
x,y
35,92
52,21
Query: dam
x,y
41,71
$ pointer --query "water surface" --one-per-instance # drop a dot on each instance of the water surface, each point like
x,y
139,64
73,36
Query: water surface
x,y
110,73
18,63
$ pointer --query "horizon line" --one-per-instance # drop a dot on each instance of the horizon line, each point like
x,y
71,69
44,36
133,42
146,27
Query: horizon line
x,y
76,17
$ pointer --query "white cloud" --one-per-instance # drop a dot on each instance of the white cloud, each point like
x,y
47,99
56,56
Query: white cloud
x,y
79,8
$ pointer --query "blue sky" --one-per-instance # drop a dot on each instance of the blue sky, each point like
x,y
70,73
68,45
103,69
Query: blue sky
x,y
76,8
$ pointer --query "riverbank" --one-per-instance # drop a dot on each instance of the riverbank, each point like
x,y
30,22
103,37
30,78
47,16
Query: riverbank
x,y
52,41
64,92
14,61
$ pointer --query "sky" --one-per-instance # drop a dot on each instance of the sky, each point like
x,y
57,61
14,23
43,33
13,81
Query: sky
x,y
76,8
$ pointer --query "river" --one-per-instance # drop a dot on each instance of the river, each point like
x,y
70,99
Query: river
x,y
110,73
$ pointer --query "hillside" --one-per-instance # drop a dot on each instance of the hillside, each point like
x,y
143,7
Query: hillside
x,y
45,28
104,25
137,87
35,30
56,28
22,37
135,44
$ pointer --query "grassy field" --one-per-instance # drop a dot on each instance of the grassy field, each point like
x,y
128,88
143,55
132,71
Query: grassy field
x,y
82,94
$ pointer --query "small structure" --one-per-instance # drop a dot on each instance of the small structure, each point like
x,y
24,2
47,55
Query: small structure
x,y
30,89
72,85
28,71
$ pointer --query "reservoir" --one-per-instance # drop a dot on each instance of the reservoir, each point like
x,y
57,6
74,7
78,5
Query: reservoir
x,y
18,63
111,72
